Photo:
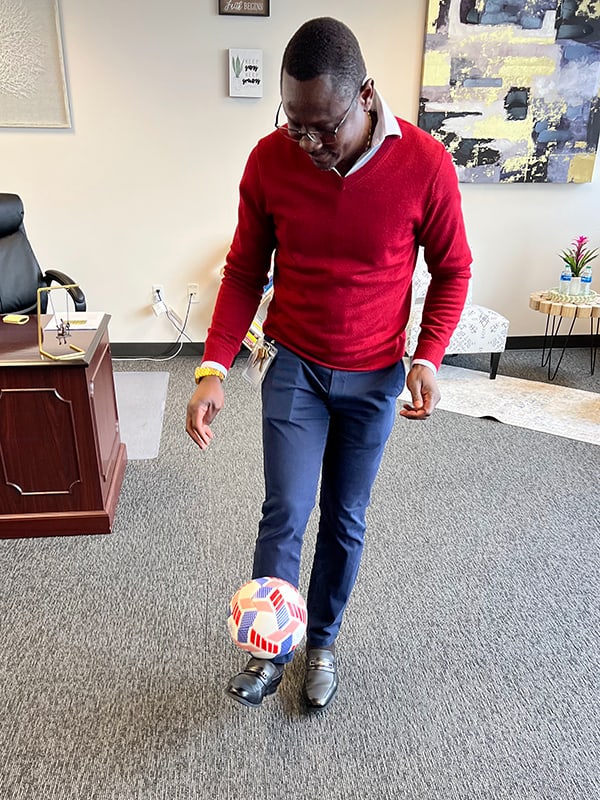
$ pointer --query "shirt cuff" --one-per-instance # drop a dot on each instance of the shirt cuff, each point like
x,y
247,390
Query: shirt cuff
x,y
424,363
215,365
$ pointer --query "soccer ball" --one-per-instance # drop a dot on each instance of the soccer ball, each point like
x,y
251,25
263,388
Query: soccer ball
x,y
267,617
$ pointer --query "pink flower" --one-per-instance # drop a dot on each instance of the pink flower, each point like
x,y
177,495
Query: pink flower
x,y
578,256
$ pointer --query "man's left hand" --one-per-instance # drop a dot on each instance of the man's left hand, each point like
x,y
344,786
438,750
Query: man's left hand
x,y
422,385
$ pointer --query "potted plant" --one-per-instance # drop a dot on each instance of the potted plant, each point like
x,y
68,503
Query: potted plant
x,y
577,258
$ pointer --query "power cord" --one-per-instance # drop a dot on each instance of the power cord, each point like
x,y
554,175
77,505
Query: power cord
x,y
175,322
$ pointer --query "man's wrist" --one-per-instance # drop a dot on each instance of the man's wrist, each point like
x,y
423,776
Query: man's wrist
x,y
210,368
424,363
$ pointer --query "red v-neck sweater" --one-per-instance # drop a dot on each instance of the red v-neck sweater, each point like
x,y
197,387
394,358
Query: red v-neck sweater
x,y
345,251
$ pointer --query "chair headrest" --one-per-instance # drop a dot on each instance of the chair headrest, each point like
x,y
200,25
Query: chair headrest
x,y
11,213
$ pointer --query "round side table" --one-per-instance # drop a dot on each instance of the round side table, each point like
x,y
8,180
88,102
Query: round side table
x,y
557,307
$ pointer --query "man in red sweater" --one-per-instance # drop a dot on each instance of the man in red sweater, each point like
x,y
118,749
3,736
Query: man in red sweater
x,y
342,196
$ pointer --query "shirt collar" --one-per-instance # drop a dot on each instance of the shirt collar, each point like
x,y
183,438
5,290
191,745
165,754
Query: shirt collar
x,y
387,125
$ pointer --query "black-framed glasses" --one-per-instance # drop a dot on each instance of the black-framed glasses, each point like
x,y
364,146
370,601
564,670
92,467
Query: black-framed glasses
x,y
314,134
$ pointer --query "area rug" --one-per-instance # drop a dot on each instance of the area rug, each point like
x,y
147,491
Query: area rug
x,y
544,407
141,398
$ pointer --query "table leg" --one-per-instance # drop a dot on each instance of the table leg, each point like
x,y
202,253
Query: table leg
x,y
594,344
547,358
544,359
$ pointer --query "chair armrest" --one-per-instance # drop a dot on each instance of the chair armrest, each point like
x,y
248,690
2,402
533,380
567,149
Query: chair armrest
x,y
62,278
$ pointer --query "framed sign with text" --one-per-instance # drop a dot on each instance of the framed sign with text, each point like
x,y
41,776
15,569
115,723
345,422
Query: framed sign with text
x,y
244,8
245,73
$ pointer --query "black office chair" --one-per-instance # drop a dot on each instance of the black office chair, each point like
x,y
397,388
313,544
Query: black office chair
x,y
20,273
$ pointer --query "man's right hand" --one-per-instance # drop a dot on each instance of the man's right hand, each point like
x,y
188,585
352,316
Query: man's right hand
x,y
204,405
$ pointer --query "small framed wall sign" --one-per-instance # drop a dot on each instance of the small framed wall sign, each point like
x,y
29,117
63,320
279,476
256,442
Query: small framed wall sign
x,y
244,8
245,73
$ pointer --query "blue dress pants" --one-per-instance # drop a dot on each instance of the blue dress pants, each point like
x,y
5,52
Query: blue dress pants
x,y
333,425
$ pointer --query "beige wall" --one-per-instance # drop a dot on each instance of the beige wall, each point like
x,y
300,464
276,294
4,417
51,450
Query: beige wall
x,y
143,188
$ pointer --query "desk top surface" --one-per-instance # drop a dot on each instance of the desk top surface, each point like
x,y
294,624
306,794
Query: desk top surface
x,y
19,344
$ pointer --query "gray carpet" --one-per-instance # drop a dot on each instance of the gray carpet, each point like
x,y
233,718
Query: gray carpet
x,y
470,653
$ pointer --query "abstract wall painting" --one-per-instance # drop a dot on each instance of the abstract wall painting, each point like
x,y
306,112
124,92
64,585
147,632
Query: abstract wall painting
x,y
512,88
33,92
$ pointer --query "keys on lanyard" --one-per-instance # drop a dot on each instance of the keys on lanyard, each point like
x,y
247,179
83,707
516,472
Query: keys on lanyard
x,y
263,353
259,361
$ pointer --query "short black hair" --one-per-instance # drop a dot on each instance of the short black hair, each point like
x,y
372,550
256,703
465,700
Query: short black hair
x,y
325,46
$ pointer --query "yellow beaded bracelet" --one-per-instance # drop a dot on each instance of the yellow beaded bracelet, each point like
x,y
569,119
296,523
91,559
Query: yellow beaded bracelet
x,y
204,372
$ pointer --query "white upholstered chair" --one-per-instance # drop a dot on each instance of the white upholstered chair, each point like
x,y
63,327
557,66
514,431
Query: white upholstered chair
x,y
480,329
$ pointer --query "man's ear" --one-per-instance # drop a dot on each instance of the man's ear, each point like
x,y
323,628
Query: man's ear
x,y
367,94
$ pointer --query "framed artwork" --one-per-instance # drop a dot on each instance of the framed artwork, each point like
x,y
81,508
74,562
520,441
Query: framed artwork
x,y
33,89
512,89
245,73
244,8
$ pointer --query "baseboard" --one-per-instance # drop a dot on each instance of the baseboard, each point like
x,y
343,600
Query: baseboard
x,y
537,342
156,349
166,349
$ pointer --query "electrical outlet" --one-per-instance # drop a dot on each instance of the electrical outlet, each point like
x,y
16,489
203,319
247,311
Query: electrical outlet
x,y
158,293
158,303
193,292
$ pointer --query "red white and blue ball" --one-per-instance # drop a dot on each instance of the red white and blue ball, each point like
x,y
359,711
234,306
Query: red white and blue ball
x,y
267,617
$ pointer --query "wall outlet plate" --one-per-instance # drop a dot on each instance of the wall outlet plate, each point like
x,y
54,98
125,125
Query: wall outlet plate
x,y
193,290
158,293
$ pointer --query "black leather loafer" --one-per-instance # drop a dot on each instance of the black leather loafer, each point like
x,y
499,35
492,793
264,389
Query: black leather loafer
x,y
321,681
259,678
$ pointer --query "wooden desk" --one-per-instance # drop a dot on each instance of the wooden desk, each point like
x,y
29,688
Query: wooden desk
x,y
61,458
557,308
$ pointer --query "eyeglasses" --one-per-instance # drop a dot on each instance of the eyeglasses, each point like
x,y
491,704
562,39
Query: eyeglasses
x,y
314,134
